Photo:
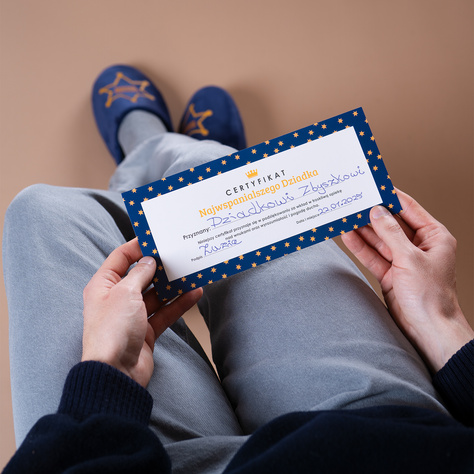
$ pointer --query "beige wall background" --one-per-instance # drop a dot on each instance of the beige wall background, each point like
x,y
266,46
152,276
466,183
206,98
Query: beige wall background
x,y
287,63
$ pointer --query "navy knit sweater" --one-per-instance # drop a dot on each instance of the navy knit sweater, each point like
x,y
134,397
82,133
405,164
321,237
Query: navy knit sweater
x,y
101,427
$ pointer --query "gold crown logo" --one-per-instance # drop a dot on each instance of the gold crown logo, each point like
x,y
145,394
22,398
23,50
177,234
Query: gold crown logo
x,y
252,174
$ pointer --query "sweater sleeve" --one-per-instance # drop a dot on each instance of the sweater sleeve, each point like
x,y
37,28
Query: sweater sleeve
x,y
455,383
101,426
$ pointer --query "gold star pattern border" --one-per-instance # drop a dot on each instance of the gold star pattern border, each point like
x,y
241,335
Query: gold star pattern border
x,y
167,290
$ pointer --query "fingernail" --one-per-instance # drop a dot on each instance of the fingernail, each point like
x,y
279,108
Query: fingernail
x,y
147,260
379,211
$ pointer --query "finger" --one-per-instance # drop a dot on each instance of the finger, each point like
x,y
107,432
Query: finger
x,y
367,255
413,214
370,237
140,276
152,303
170,313
119,261
388,229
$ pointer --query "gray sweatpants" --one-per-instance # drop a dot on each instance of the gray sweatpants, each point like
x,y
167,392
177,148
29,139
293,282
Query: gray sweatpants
x,y
303,332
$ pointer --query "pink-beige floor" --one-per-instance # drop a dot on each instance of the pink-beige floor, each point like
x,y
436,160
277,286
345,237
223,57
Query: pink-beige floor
x,y
287,63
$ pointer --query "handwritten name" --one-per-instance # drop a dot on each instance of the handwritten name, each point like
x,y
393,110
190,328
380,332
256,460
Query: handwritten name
x,y
255,209
210,249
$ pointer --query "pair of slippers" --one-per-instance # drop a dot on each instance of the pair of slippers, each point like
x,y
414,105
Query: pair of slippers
x,y
211,113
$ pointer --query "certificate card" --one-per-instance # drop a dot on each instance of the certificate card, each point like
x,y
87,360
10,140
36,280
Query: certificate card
x,y
261,203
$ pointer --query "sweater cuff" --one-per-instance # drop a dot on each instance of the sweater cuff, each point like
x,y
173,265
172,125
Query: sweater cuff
x,y
97,388
455,382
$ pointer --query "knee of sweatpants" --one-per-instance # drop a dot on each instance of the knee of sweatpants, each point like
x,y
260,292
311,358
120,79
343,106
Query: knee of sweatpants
x,y
36,203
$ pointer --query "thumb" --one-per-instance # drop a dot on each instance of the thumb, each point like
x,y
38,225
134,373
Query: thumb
x,y
389,230
141,274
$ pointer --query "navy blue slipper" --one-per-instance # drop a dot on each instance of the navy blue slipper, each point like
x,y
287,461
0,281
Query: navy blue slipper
x,y
212,114
117,91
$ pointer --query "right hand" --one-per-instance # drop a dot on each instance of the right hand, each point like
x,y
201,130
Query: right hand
x,y
413,258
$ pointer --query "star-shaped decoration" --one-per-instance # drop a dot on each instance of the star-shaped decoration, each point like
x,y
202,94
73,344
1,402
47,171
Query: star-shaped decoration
x,y
150,188
208,169
223,162
361,134
295,135
344,220
183,279
180,179
359,216
254,265
224,275
170,187
199,275
267,142
258,253
268,258
276,150
301,238
135,224
273,248
194,121
125,88
213,270
331,229
287,244
340,120
131,203
238,267
254,151
298,248
280,143
323,126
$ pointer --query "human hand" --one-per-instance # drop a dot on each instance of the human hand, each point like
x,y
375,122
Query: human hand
x,y
117,330
413,258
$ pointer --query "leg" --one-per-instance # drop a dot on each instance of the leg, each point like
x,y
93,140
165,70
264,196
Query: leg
x,y
306,332
64,235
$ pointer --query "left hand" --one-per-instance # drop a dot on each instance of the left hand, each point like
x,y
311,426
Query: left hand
x,y
117,330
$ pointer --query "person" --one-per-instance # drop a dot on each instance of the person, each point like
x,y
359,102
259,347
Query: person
x,y
314,373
